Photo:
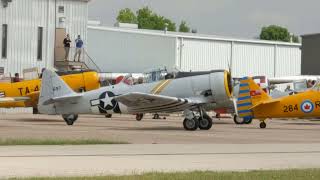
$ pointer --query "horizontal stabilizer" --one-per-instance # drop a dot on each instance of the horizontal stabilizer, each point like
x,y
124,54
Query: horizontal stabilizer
x,y
70,97
264,103
14,99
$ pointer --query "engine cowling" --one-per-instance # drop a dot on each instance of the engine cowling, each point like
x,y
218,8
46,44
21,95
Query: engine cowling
x,y
221,85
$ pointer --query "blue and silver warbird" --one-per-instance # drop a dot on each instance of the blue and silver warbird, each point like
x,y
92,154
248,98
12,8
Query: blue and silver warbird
x,y
194,95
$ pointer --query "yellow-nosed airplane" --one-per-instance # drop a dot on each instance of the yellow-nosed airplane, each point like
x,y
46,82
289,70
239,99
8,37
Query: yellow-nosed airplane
x,y
26,93
254,103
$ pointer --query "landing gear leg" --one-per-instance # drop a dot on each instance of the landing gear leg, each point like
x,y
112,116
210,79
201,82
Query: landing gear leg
x,y
70,118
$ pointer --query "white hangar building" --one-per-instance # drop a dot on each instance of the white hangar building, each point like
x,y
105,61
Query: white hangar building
x,y
32,31
134,51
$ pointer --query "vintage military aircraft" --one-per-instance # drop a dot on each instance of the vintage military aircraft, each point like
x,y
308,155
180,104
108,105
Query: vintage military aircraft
x,y
254,103
192,95
26,93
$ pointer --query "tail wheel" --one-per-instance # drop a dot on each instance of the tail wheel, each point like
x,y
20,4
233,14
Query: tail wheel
x,y
70,118
238,120
191,124
139,117
108,115
263,125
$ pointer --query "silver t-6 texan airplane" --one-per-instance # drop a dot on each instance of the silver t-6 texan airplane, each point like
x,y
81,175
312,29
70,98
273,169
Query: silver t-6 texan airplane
x,y
194,96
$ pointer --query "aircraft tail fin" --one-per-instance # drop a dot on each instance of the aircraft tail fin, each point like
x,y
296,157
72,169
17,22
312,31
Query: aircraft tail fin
x,y
250,95
52,87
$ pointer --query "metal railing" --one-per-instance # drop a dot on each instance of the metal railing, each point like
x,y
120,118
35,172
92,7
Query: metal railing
x,y
73,56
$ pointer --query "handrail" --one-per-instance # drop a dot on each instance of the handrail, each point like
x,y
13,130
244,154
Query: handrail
x,y
90,60
84,58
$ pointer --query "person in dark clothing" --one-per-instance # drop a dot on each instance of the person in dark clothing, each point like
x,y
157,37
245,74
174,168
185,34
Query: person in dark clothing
x,y
16,78
66,43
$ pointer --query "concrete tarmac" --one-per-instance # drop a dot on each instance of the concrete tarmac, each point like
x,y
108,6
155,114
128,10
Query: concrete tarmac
x,y
148,131
157,145
26,161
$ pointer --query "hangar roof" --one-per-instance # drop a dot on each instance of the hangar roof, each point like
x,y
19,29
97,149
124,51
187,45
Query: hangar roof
x,y
191,35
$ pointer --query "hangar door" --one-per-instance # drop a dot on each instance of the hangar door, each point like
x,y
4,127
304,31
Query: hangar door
x,y
59,47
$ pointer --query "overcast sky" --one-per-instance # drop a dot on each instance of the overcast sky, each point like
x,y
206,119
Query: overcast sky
x,y
241,18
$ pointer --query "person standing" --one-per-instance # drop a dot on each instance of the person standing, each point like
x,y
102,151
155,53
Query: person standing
x,y
66,43
79,45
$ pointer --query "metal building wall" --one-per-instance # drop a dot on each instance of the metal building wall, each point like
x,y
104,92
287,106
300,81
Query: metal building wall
x,y
253,59
245,58
132,50
24,17
288,61
76,21
203,55
118,51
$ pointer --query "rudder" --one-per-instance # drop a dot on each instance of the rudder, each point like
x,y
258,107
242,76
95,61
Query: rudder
x,y
250,94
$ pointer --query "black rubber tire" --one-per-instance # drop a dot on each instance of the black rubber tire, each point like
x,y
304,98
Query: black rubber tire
x,y
139,117
205,123
108,115
263,125
191,124
248,121
35,111
236,120
70,120
156,116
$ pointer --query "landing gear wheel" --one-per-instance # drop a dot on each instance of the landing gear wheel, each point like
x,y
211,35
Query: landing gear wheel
x,y
108,115
139,117
70,118
238,120
263,125
191,124
205,123
248,121
156,116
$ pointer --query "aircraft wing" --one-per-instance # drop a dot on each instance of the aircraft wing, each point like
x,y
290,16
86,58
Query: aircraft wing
x,y
13,99
272,101
143,103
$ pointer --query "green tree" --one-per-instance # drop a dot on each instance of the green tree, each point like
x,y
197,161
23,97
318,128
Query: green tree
x,y
184,27
150,20
295,39
275,33
126,16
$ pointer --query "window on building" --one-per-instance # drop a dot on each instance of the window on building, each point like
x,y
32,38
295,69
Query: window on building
x,y
4,41
40,40
61,9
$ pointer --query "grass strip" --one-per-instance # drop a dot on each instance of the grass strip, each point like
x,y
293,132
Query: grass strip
x,y
293,174
17,142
